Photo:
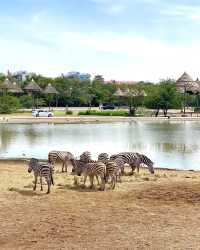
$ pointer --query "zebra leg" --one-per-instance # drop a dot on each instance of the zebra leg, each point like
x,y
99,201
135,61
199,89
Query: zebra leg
x,y
34,188
75,180
97,179
52,180
63,164
41,188
138,168
102,188
113,182
132,169
66,166
85,178
91,181
49,185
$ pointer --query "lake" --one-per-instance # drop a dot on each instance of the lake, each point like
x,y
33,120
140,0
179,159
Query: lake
x,y
168,144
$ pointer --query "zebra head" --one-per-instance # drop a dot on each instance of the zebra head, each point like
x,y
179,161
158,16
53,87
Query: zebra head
x,y
113,157
85,156
32,163
77,167
147,162
103,157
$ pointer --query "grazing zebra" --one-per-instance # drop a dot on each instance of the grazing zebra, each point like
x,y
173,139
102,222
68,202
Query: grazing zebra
x,y
143,159
86,157
135,159
112,171
97,169
119,161
103,157
62,156
41,169
78,167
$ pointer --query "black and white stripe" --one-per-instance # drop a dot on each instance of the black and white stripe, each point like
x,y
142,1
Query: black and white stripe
x,y
103,157
41,169
95,169
134,160
92,169
112,171
62,156
86,157
143,159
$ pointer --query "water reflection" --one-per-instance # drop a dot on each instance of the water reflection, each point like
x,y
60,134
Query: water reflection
x,y
169,144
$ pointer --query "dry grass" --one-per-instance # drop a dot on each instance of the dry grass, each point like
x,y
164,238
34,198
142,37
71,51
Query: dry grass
x,y
143,212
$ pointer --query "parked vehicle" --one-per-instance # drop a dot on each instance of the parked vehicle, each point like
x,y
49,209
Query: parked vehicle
x,y
42,113
108,106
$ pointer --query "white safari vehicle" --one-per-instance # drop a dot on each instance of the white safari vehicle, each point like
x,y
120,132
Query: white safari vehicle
x,y
42,113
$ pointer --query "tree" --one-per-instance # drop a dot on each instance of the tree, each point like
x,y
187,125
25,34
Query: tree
x,y
164,96
9,104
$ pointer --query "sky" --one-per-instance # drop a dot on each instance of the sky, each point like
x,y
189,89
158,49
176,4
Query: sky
x,y
138,40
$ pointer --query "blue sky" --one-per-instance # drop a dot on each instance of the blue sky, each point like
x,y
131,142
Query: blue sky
x,y
121,39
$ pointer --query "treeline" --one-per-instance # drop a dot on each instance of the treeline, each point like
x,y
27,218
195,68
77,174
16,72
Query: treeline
x,y
73,92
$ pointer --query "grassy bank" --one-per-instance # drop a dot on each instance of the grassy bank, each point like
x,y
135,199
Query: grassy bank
x,y
104,113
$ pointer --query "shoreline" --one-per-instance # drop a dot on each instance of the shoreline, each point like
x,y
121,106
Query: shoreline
x,y
88,119
24,161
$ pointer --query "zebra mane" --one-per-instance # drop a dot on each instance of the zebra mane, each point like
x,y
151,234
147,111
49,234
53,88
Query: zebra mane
x,y
34,160
146,159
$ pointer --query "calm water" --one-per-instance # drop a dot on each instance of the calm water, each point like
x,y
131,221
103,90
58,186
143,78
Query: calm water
x,y
173,145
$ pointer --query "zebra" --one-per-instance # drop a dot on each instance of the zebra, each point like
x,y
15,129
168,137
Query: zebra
x,y
135,159
119,161
90,169
41,169
143,159
116,165
86,157
103,157
62,156
112,171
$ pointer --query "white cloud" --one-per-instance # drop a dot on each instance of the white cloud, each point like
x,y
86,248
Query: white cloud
x,y
190,12
50,51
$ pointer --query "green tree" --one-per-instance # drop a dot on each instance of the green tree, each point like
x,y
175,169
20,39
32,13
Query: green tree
x,y
9,104
164,96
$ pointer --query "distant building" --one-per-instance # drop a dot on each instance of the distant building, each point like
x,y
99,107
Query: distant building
x,y
21,76
78,75
84,76
99,78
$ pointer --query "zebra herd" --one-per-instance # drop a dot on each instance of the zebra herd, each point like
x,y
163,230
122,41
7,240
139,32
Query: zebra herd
x,y
103,169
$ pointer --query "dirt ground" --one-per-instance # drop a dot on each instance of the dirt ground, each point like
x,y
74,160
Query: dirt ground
x,y
143,212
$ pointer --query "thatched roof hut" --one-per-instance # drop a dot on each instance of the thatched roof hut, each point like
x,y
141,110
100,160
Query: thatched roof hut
x,y
16,89
7,85
50,90
119,92
33,87
185,84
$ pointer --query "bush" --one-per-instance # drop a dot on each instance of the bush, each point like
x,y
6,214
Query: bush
x,y
26,101
104,113
68,112
9,104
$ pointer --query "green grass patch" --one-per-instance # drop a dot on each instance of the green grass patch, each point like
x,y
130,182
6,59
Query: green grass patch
x,y
104,113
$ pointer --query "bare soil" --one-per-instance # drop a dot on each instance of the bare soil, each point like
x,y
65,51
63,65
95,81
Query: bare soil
x,y
143,212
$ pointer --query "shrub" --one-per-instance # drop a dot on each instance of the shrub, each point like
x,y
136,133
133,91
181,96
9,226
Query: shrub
x,y
68,112
104,113
9,104
26,101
